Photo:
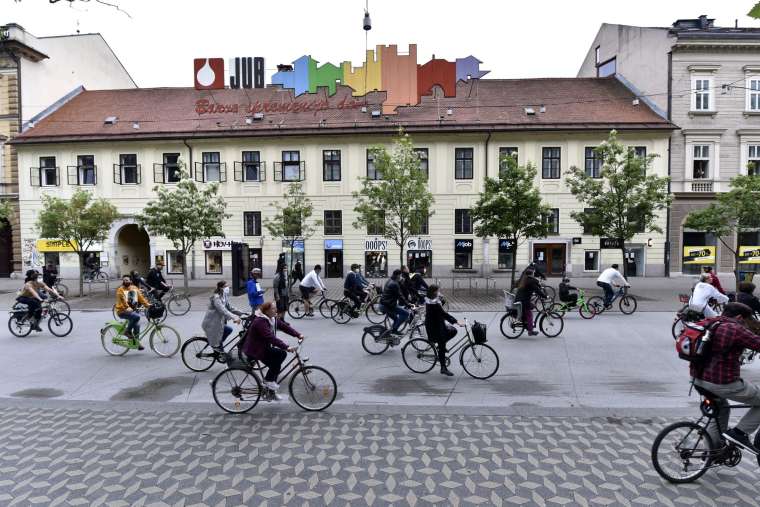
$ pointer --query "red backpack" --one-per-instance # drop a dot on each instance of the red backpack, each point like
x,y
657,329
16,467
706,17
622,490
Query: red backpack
x,y
693,344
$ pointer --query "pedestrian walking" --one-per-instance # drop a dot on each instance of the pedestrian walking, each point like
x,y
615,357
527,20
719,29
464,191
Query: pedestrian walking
x,y
254,289
219,311
438,325
280,290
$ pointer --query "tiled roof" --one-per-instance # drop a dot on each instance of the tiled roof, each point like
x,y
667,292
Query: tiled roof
x,y
479,105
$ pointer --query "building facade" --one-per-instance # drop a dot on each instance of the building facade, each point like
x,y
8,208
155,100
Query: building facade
x,y
121,144
37,74
706,80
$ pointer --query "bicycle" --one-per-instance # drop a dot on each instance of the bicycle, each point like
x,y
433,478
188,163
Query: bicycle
x,y
378,338
297,306
164,340
549,322
238,389
198,355
479,360
94,275
343,311
627,302
20,322
684,315
60,288
60,305
585,310
692,450
149,295
178,304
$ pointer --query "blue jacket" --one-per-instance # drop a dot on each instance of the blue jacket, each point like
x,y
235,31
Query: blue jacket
x,y
352,283
255,294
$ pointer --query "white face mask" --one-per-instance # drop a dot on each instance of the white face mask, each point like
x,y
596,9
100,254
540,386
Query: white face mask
x,y
226,291
39,278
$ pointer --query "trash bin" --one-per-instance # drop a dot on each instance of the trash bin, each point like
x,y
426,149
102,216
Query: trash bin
x,y
746,276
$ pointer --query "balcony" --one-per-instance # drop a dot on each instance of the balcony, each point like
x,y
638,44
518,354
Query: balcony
x,y
127,174
210,172
287,172
44,176
250,172
82,175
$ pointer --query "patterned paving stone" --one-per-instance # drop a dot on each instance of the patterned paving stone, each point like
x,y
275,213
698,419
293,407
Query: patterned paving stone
x,y
55,456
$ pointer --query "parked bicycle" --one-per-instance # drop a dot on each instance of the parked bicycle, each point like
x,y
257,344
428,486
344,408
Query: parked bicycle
x,y
479,360
164,340
378,338
198,355
20,322
60,287
239,388
547,321
585,310
297,306
627,302
94,275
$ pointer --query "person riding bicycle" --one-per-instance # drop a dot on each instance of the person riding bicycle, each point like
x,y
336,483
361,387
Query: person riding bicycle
x,y
746,296
311,283
261,343
609,277
157,282
297,274
128,298
353,288
537,273
418,283
438,331
254,290
49,275
219,311
713,279
529,285
565,296
31,296
703,292
281,292
91,264
720,374
389,301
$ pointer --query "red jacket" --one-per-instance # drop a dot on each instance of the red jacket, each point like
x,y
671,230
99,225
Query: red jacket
x,y
716,283
261,336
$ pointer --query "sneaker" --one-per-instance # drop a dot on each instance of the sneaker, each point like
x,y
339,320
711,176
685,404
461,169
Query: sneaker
x,y
741,439
532,333
445,371
36,327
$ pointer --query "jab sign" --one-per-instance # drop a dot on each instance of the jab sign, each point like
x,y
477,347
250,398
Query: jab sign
x,y
245,72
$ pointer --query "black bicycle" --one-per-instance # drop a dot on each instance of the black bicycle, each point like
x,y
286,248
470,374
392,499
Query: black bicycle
x,y
198,355
627,302
547,320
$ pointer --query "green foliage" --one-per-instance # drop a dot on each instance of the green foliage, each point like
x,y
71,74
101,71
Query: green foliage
x,y
292,221
6,211
400,203
755,11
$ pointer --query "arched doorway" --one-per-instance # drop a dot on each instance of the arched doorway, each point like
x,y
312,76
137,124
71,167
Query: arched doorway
x,y
132,250
6,249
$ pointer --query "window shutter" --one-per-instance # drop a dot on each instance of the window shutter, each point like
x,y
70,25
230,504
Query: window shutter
x,y
139,174
198,173
158,173
237,171
117,174
73,174
302,171
222,172
262,171
278,171
35,176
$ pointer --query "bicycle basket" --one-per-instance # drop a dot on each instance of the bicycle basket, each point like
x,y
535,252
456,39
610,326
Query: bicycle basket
x,y
479,332
156,311
509,300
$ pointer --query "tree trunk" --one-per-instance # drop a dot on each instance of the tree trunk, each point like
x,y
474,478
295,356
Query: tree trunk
x,y
81,274
736,269
184,270
401,255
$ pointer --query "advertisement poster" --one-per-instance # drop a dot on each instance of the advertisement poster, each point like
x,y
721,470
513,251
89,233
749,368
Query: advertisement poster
x,y
699,255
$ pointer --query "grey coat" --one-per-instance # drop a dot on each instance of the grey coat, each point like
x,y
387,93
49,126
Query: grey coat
x,y
218,313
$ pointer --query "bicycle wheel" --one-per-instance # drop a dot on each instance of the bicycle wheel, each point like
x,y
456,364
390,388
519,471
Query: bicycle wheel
x,y
419,355
551,324
628,304
549,291
371,344
61,289
682,452
313,388
297,308
179,304
510,326
678,326
19,325
586,311
236,390
59,324
479,360
197,354
597,303
342,312
100,277
374,311
165,340
107,336
60,306
559,308
327,308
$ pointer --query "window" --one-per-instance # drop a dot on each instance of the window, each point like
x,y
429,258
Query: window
x,y
376,264
252,223
640,151
251,166
86,170
291,166
463,253
171,168
213,262
608,68
587,228
701,161
212,169
504,152
422,153
48,172
331,165
376,227
333,222
424,226
701,96
591,260
551,163
463,163
506,254
593,163
129,171
753,94
372,172
462,221
596,55
553,220
753,159
174,262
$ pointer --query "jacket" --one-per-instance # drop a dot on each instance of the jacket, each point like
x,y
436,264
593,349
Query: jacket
x,y
435,321
703,293
128,298
155,279
313,281
280,285
716,283
219,311
255,294
525,293
749,300
261,336
353,283
391,295
564,290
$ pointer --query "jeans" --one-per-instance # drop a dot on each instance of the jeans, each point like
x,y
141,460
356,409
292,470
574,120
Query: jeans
x,y
400,315
273,359
608,292
133,326
34,304
355,299
740,391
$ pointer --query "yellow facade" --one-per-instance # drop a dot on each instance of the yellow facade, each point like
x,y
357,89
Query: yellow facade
x,y
365,78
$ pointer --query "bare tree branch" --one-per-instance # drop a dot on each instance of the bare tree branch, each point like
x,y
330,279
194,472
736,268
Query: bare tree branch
x,y
102,2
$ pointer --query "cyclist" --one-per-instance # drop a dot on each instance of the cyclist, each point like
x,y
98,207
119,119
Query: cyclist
x,y
128,298
418,283
713,279
537,273
746,296
390,299
353,288
218,313
438,331
297,274
405,282
254,290
721,375
261,343
311,283
702,294
609,277
91,265
156,281
31,296
529,285
565,295
280,290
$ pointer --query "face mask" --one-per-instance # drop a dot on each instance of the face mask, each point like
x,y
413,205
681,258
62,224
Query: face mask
x,y
39,278
226,291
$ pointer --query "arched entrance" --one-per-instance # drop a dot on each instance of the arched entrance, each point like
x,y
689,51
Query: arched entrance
x,y
132,250
6,249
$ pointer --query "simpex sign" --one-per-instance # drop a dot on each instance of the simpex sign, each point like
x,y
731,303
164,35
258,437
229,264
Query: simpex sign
x,y
245,72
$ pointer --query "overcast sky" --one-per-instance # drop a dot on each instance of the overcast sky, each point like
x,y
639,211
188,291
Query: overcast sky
x,y
536,38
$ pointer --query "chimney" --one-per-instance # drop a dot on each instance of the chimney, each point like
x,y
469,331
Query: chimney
x,y
704,22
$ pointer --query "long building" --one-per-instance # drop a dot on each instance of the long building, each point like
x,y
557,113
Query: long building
x,y
120,144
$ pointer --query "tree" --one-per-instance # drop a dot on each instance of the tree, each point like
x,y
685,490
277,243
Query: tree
x,y
291,223
623,200
733,212
185,215
510,207
755,11
79,222
399,203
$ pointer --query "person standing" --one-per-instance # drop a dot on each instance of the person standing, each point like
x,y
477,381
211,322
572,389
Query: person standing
x,y
703,292
128,298
255,292
438,331
280,290
310,284
296,275
529,286
219,311
609,277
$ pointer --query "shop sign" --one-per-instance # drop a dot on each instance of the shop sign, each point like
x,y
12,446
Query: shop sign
x,y
577,241
218,244
419,244
610,244
506,245
463,245
333,244
699,255
749,255
55,245
375,245
297,245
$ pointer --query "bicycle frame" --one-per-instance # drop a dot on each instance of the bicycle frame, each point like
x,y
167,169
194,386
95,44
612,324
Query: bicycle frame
x,y
461,343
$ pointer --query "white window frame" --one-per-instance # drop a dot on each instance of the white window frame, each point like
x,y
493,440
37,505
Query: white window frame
x,y
714,143
598,261
698,80
745,142
698,153
753,92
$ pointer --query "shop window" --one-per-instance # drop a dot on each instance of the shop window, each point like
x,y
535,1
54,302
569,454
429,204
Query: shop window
x,y
213,262
697,247
591,260
504,152
506,256
174,262
749,244
551,162
463,260
753,159
333,222
593,163
420,259
376,264
252,223
331,165
462,221
422,155
463,163
701,161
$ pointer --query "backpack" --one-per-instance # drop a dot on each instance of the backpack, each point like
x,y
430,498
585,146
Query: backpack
x,y
693,344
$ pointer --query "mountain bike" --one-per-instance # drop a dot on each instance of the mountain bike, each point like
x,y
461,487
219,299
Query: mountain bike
x,y
178,303
20,322
343,311
547,321
164,340
584,309
627,302
479,360
198,355
378,338
297,306
238,388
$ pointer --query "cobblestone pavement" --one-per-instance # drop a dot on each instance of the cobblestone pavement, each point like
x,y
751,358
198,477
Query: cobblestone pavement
x,y
58,456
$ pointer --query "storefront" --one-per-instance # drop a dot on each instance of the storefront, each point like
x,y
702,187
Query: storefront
x,y
255,258
749,251
419,254
376,258
699,250
333,258
213,252
506,253
298,254
463,253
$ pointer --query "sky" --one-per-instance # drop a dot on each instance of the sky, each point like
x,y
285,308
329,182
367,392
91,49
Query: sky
x,y
538,38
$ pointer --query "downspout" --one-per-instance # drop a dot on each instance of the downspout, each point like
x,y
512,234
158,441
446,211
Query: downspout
x,y
486,241
670,142
192,252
